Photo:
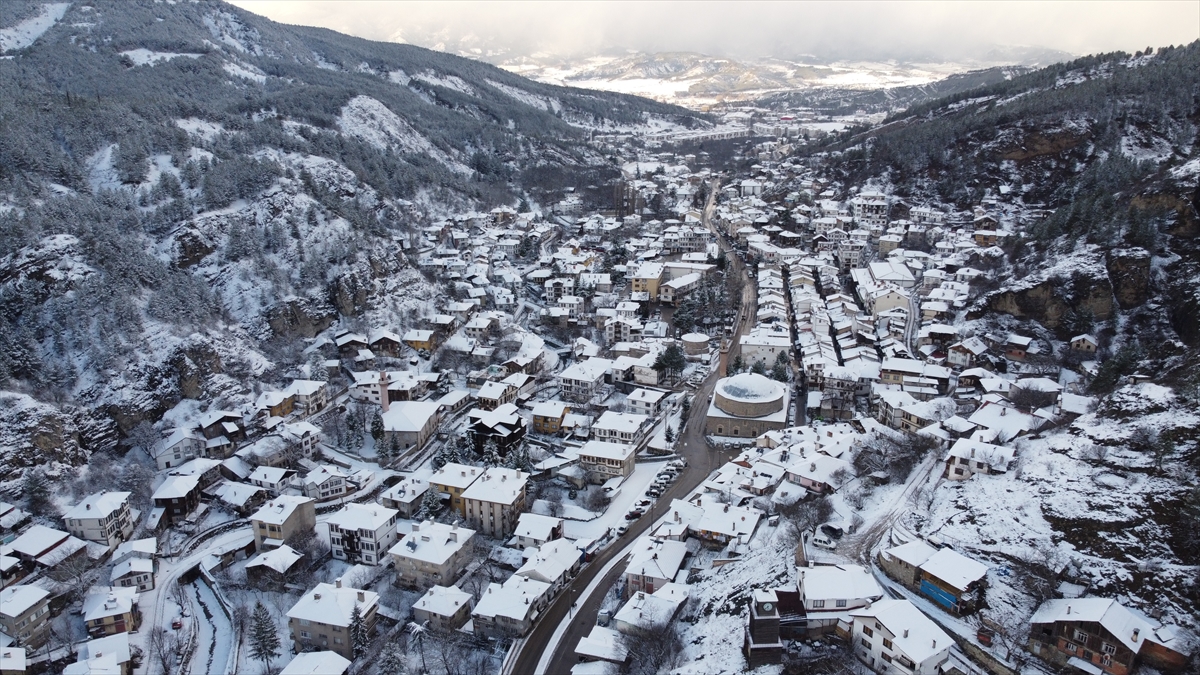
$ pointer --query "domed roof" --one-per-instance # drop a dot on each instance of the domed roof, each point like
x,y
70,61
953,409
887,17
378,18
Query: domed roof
x,y
751,387
695,337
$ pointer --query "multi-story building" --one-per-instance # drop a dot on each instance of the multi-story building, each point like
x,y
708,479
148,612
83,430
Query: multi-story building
x,y
1102,635
615,427
362,533
495,501
321,619
603,460
109,610
893,635
581,380
25,615
103,518
281,518
432,554
444,608
548,416
508,610
452,480
653,564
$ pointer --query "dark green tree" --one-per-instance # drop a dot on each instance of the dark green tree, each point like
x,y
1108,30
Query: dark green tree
x,y
264,636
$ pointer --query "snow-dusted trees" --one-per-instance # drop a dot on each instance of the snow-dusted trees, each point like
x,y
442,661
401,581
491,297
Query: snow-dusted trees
x,y
360,637
264,636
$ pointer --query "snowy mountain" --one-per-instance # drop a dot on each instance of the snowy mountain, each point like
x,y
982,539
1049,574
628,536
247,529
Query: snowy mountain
x,y
186,189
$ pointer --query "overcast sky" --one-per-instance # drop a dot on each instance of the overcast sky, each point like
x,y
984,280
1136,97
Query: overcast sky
x,y
846,30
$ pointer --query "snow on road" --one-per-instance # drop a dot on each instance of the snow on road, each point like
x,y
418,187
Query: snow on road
x,y
214,632
632,490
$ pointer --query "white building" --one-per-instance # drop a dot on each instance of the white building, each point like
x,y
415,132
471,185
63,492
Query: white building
x,y
103,518
362,533
895,633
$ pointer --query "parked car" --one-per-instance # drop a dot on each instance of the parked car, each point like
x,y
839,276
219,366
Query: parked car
x,y
633,515
622,529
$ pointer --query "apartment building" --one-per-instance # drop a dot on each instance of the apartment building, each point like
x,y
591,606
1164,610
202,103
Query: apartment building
x,y
281,518
362,533
103,518
432,554
321,619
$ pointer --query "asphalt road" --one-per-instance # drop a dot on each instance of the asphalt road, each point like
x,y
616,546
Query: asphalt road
x,y
701,462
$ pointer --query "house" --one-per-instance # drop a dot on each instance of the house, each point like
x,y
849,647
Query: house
x,y
965,354
325,482
432,553
945,576
45,547
410,423
504,426
239,498
384,343
828,591
533,530
179,447
109,610
275,403
646,401
272,568
819,473
12,662
1084,344
1100,635
495,501
555,562
102,656
627,428
548,416
317,663
494,394
302,435
723,523
133,573
311,395
444,608
362,533
273,478
405,496
894,632
138,548
25,615
967,457
451,480
509,609
103,518
648,610
604,460
178,496
582,380
653,564
1017,347
281,519
321,618
421,340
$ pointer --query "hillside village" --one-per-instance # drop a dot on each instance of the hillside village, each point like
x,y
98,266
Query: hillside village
x,y
729,412
817,350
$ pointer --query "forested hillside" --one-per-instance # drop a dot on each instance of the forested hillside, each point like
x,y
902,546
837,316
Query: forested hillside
x,y
186,189
1100,157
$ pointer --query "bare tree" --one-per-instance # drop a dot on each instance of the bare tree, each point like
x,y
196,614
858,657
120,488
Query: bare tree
x,y
803,515
164,649
654,649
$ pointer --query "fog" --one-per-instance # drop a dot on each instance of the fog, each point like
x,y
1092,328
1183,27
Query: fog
x,y
908,31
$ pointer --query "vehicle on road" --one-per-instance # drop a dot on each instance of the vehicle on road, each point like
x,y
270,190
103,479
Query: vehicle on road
x,y
633,515
622,529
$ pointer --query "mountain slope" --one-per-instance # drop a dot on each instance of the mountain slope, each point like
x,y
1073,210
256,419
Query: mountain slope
x,y
186,190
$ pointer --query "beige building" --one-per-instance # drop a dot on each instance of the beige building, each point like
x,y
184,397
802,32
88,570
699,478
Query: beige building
x,y
281,518
495,501
443,608
603,460
103,518
432,554
25,615
111,610
321,619
452,480
747,405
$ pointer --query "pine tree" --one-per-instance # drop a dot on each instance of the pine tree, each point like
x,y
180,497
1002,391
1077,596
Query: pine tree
x,y
431,503
669,434
360,638
377,427
264,636
491,453
391,660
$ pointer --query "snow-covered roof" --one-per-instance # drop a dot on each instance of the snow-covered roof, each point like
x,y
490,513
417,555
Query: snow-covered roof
x,y
16,600
515,599
443,600
99,505
37,540
1117,619
278,510
432,542
647,610
131,566
914,634
117,645
498,485
368,517
604,644
176,487
104,602
606,450
455,475
750,387
147,547
655,558
914,553
316,663
838,582
332,604
535,526
954,568
409,416
279,559
236,494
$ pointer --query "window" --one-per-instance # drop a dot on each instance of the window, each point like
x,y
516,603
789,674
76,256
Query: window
x,y
1106,660
841,603
304,635
1108,648
818,604
887,644
867,631
1071,647
1080,636
865,642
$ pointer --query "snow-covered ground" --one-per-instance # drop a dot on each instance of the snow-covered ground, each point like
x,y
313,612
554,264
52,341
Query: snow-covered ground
x,y
27,32
632,491
145,57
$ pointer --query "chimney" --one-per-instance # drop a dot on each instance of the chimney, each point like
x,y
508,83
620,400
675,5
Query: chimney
x,y
935,644
1136,632
337,583
316,596
905,632
88,507
362,597
1068,609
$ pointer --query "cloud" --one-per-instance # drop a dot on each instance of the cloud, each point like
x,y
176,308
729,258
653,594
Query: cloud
x,y
835,30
